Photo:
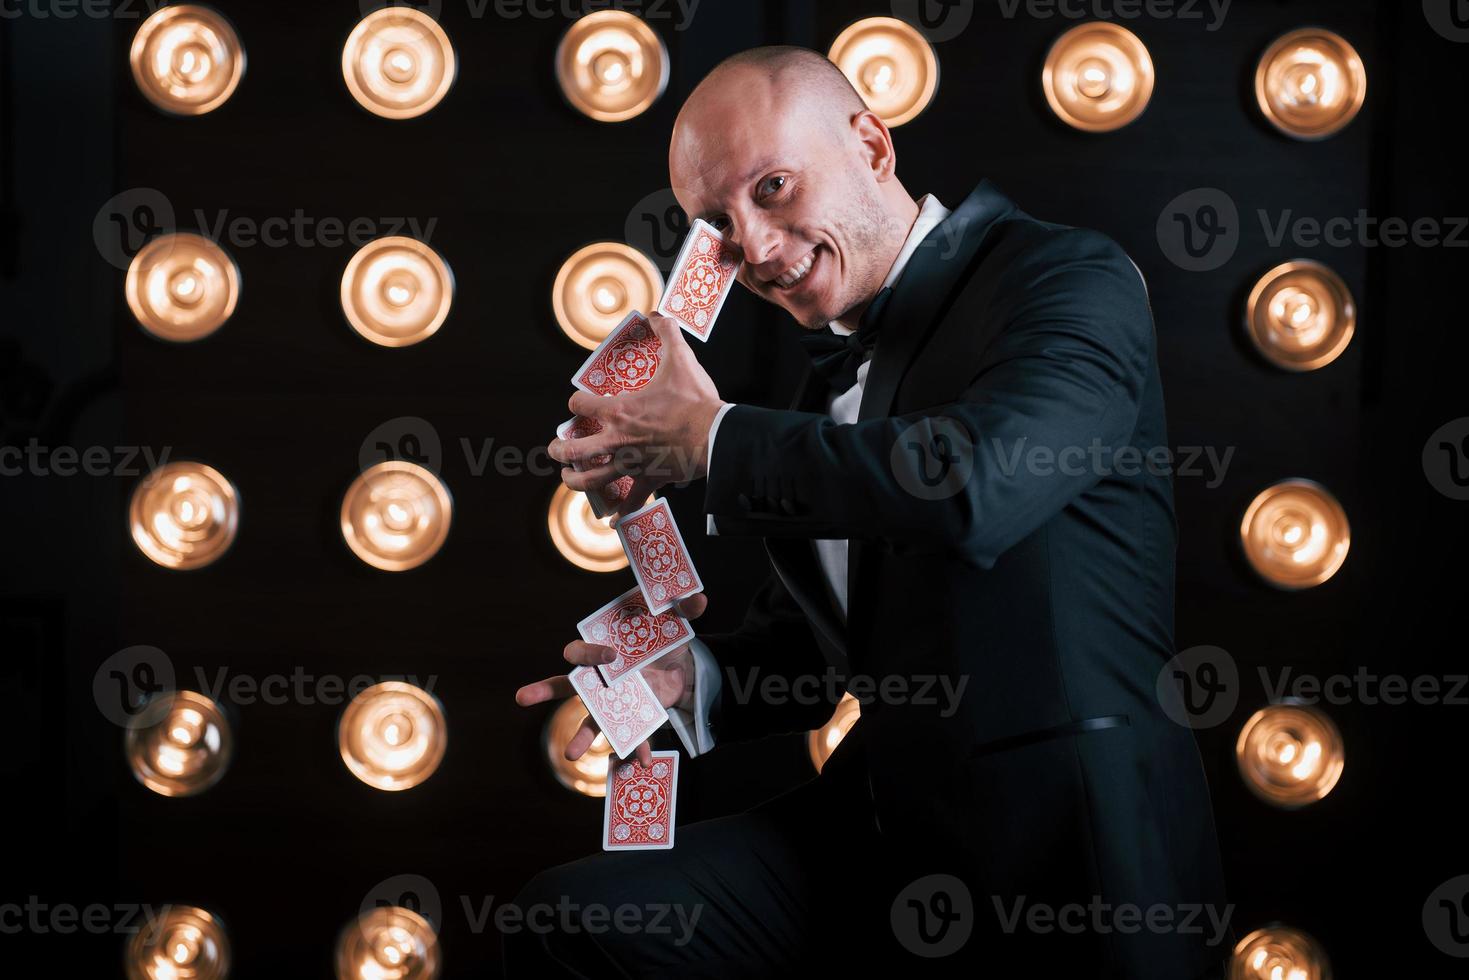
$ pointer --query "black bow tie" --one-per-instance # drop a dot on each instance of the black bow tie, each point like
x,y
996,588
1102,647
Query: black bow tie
x,y
837,358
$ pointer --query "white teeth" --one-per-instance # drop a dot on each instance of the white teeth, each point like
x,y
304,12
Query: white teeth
x,y
796,272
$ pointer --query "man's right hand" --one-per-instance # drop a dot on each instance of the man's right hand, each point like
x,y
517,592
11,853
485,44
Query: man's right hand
x,y
671,677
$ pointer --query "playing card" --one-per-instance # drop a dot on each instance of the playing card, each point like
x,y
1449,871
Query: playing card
x,y
607,499
658,556
638,636
701,280
627,713
639,814
625,361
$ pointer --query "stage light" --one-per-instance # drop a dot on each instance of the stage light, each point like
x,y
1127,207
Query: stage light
x,y
388,943
180,943
598,286
823,741
1290,755
396,515
182,287
588,774
611,65
187,59
890,64
582,538
396,291
1295,534
392,735
184,515
398,62
1310,84
1301,316
1098,77
1279,952
179,744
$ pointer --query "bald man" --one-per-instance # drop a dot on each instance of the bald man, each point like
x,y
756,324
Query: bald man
x,y
962,528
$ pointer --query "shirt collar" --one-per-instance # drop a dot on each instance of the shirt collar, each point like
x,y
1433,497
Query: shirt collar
x,y
930,214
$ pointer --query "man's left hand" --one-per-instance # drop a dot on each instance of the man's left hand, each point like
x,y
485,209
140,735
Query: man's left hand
x,y
658,435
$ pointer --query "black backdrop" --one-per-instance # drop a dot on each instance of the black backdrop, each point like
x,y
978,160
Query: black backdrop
x,y
288,844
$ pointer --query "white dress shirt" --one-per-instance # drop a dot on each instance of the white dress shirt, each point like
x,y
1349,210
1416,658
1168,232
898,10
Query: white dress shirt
x,y
694,731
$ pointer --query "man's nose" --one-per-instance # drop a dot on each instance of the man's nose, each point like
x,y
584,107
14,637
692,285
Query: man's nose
x,y
759,241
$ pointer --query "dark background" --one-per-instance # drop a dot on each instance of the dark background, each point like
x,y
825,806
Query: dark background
x,y
280,400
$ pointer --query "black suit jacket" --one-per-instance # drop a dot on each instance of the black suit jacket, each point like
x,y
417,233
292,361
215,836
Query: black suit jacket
x,y
1043,581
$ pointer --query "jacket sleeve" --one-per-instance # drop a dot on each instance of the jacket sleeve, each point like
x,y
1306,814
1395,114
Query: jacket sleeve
x,y
774,677
1072,349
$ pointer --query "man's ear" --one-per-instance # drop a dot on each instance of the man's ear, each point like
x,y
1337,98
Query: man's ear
x,y
876,142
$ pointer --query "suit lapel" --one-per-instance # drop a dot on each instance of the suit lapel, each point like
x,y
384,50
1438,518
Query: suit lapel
x,y
920,296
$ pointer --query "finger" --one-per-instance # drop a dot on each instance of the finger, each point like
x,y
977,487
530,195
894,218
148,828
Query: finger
x,y
591,406
637,497
587,654
605,443
546,690
582,740
589,480
644,753
668,330
692,607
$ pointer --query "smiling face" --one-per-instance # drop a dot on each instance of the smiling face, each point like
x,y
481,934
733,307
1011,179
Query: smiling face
x,y
801,178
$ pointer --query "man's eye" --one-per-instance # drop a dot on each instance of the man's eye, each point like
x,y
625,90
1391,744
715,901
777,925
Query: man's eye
x,y
719,223
771,184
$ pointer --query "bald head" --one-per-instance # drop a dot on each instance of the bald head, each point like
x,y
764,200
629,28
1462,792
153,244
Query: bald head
x,y
778,151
